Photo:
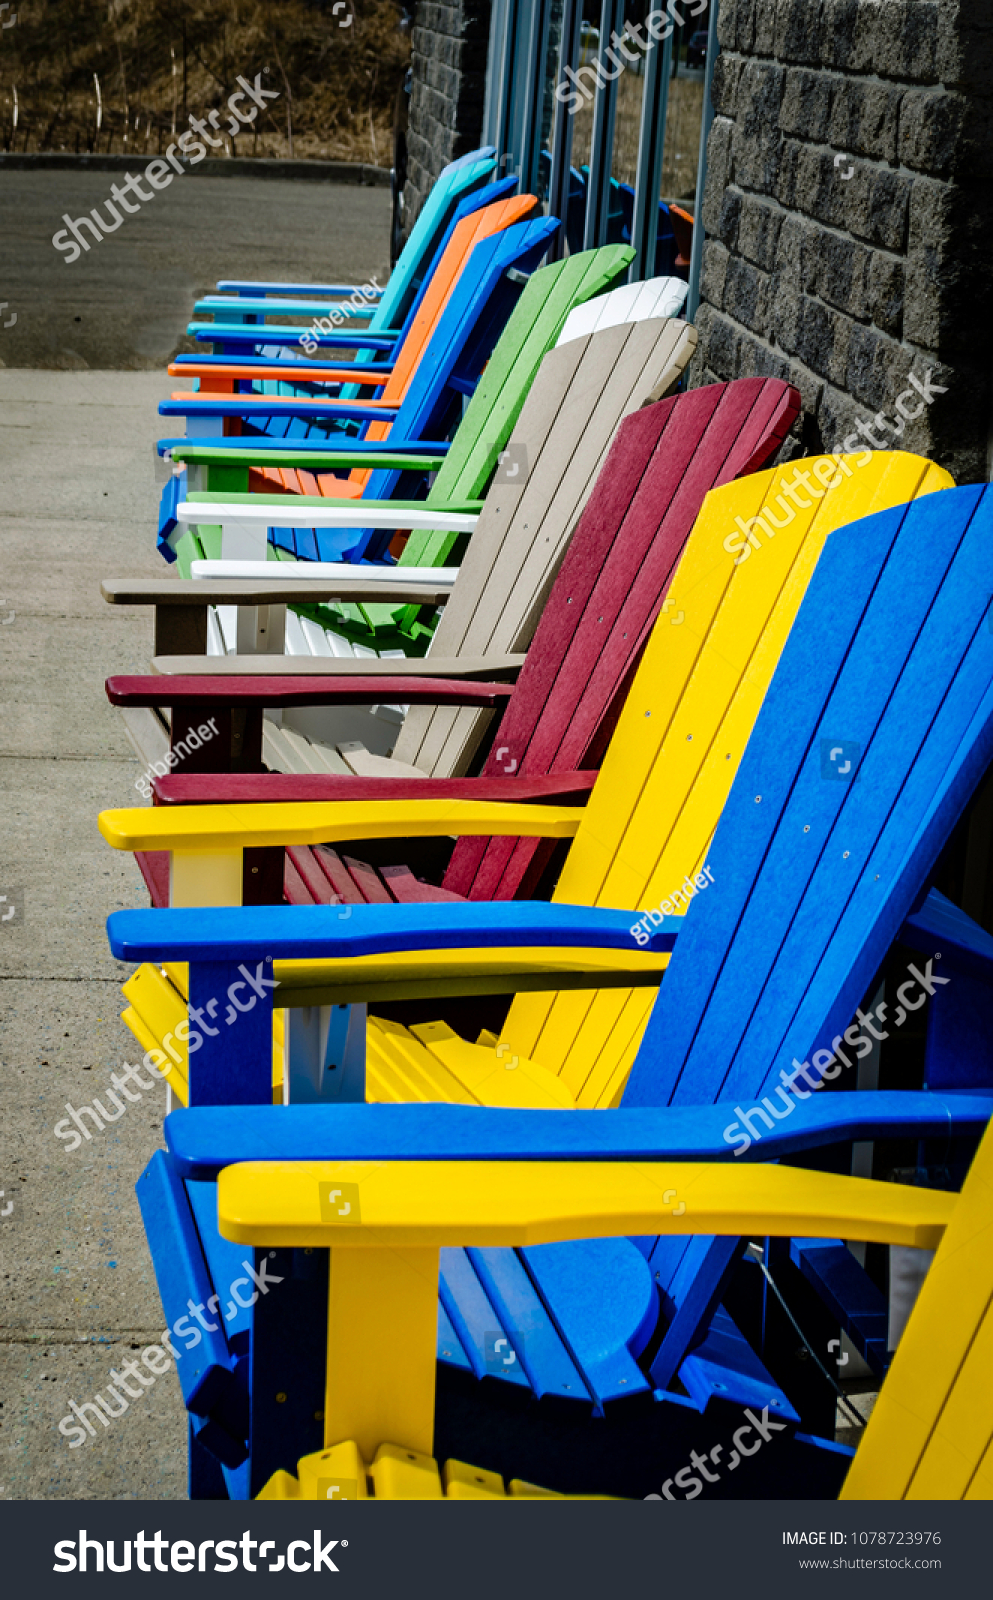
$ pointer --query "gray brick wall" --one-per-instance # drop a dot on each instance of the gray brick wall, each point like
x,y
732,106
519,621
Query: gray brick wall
x,y
849,216
449,42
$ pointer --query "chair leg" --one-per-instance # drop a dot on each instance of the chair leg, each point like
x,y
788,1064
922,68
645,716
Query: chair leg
x,y
382,1316
325,1054
206,1479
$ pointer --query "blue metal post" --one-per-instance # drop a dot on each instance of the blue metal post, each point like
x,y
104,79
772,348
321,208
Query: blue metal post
x,y
651,150
531,63
602,143
559,180
696,252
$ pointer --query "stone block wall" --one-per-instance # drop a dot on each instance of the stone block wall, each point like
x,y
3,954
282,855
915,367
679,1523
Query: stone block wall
x,y
849,218
449,43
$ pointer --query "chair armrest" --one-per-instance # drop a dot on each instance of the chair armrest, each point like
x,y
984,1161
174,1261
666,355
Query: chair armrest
x,y
277,406
460,510
313,511
209,362
211,829
520,1203
255,333
205,1139
246,933
311,456
155,690
494,668
201,593
238,286
292,307
375,576
243,788
181,604
288,371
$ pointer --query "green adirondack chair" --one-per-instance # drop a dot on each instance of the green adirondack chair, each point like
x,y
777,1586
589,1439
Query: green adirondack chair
x,y
556,294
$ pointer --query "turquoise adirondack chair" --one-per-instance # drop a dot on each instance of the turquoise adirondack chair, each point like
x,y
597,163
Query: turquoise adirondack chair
x,y
240,302
460,345
463,186
816,871
296,346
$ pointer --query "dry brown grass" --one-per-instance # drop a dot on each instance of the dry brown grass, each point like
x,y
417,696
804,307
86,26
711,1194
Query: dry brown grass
x,y
342,81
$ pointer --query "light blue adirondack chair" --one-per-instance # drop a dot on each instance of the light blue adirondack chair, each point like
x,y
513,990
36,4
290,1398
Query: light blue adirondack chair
x,y
240,302
464,187
461,344
378,353
627,1342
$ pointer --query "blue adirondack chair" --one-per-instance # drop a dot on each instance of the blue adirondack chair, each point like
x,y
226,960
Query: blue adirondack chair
x,y
466,334
378,352
891,654
376,357
203,420
462,188
457,182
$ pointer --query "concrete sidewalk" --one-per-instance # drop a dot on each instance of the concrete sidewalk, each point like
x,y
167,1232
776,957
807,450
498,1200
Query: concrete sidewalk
x,y
127,301
79,1294
78,502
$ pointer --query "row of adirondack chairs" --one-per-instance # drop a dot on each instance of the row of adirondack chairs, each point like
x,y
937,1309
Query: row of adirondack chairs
x,y
628,371
419,1190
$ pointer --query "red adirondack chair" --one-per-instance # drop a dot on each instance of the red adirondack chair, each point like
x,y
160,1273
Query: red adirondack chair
x,y
558,717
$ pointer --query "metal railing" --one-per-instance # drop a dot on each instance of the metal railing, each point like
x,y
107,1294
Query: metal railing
x,y
523,71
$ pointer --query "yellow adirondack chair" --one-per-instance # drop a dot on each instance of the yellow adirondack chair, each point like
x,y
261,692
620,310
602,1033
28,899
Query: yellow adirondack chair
x,y
644,832
930,1436
668,771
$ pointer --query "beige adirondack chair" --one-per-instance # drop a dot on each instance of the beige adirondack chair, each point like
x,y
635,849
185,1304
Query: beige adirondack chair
x,y
584,389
